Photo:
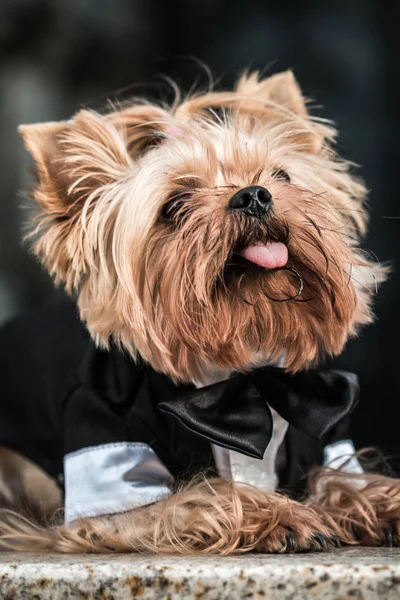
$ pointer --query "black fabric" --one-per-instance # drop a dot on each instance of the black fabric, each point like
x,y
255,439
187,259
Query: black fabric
x,y
60,394
40,354
235,413
231,414
117,401
302,452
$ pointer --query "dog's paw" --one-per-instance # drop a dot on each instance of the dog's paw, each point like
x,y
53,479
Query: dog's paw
x,y
391,534
385,534
290,543
298,528
365,516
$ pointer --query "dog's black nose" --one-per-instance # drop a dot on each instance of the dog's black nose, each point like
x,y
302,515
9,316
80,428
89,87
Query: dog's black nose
x,y
254,201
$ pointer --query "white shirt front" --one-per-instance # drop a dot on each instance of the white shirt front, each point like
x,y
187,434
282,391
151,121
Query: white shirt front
x,y
241,468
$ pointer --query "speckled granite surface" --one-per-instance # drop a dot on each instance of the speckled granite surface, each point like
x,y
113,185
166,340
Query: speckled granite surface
x,y
366,574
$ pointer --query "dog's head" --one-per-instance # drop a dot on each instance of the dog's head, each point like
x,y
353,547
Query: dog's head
x,y
220,231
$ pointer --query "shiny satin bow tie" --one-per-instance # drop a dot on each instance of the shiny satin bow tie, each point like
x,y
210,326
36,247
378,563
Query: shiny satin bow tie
x,y
236,413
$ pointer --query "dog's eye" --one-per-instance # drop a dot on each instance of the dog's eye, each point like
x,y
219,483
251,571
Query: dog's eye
x,y
173,210
281,174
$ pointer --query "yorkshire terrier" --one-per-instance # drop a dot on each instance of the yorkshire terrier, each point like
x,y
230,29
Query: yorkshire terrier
x,y
211,248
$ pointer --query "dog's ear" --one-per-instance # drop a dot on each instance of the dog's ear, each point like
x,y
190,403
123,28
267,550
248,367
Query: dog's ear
x,y
73,159
281,89
75,162
79,164
278,98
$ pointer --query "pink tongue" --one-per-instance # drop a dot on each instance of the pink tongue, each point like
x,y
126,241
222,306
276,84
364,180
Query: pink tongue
x,y
270,256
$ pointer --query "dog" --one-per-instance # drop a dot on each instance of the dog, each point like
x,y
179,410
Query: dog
x,y
211,249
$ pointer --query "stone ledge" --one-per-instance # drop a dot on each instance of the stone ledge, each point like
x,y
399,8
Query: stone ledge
x,y
357,574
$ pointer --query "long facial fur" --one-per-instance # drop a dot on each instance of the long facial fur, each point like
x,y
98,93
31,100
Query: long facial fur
x,y
163,289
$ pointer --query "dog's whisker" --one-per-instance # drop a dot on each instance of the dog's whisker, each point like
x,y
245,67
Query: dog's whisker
x,y
289,298
240,291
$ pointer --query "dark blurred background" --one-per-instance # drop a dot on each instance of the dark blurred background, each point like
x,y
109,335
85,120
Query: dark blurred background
x,y
56,56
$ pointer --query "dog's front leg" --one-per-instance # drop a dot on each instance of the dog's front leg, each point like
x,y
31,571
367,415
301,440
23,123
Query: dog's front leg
x,y
361,510
205,517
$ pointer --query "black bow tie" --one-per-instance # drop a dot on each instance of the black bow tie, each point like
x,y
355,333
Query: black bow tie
x,y
236,413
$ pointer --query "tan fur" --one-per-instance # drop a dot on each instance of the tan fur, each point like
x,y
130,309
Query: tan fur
x,y
220,517
207,517
161,291
26,488
366,514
